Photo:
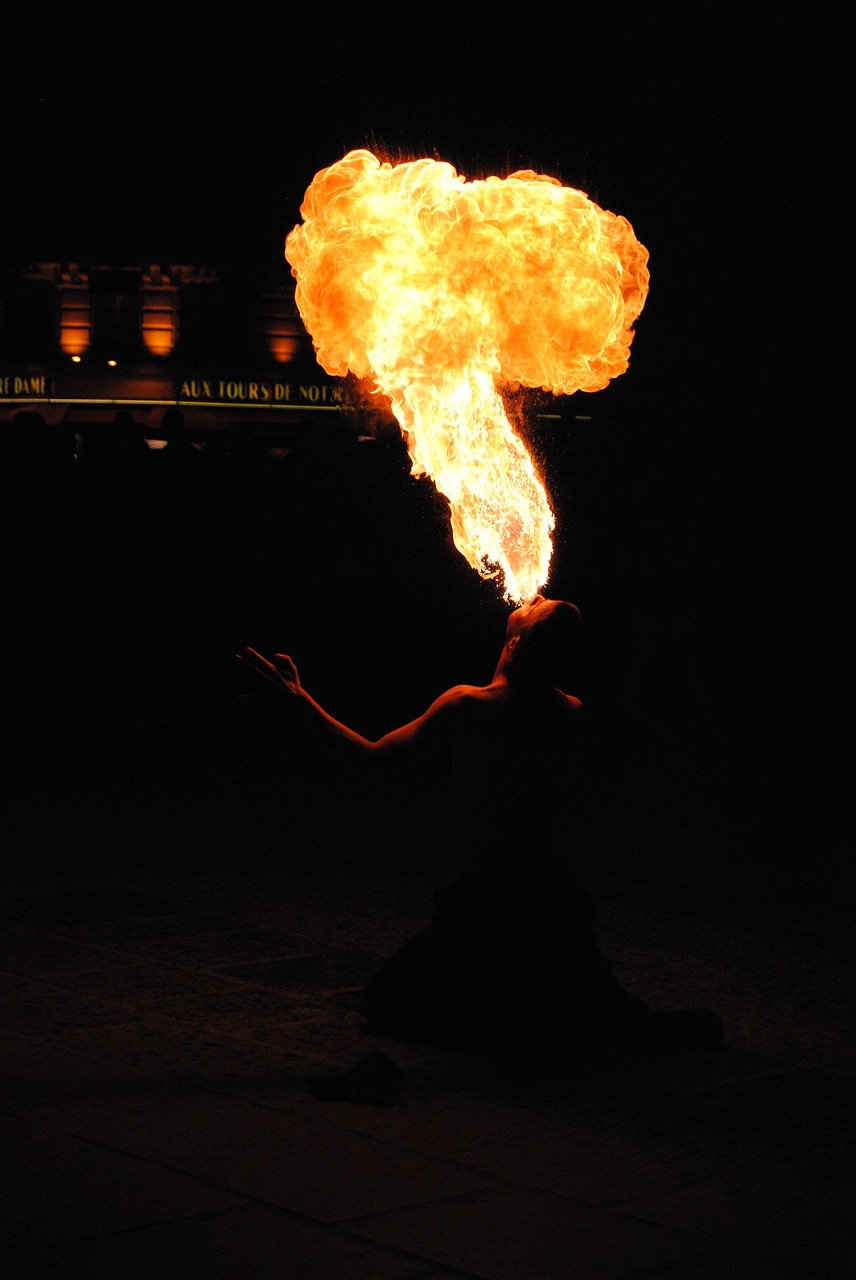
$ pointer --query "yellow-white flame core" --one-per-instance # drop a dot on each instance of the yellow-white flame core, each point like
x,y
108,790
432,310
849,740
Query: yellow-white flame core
x,y
441,291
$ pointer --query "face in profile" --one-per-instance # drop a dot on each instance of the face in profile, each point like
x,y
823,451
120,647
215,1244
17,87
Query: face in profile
x,y
521,616
545,638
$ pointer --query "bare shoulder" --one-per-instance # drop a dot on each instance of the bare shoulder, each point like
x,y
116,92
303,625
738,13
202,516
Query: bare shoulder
x,y
459,696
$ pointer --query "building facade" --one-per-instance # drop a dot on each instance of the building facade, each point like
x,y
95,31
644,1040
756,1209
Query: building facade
x,y
83,342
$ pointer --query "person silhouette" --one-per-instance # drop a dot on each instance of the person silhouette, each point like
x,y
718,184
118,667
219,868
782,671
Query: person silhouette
x,y
116,455
179,456
511,960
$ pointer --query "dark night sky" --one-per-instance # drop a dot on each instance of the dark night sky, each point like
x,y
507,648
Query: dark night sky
x,y
720,142
175,140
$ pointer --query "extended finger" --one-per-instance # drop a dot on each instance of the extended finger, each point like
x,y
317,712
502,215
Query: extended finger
x,y
262,666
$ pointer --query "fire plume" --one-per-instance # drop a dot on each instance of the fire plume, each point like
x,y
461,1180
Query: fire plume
x,y
441,293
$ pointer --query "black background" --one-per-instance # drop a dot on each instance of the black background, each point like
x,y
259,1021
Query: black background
x,y
701,521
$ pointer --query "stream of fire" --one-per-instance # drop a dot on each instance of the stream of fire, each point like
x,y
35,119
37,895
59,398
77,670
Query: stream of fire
x,y
441,293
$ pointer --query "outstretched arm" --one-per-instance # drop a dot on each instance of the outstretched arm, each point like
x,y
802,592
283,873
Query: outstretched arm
x,y
282,674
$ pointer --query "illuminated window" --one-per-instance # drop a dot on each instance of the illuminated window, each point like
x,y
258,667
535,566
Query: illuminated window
x,y
75,312
282,330
159,312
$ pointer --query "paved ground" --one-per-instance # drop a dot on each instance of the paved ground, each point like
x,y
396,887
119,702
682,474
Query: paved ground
x,y
168,1010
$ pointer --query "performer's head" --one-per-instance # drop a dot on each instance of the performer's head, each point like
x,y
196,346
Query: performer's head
x,y
543,643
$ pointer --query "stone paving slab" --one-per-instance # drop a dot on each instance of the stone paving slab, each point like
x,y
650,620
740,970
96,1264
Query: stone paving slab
x,y
583,1163
39,1007
56,1188
249,1243
159,1121
31,952
809,1229
162,1029
221,949
329,1174
203,998
18,1265
163,1049
36,1073
517,1233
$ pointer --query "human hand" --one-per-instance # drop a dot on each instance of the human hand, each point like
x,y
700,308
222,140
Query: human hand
x,y
281,673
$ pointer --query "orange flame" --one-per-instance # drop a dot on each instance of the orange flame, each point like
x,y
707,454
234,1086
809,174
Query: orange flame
x,y
441,292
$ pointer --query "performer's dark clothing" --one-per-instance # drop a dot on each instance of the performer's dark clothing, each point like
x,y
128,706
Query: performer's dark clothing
x,y
501,964
511,953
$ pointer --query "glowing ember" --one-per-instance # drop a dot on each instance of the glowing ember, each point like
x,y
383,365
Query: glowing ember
x,y
441,292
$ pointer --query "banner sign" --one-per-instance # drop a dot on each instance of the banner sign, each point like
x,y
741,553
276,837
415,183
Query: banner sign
x,y
318,395
138,386
15,386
